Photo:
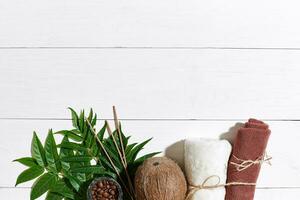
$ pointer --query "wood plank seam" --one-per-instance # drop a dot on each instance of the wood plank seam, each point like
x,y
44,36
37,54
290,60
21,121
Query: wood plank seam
x,y
259,188
151,47
147,119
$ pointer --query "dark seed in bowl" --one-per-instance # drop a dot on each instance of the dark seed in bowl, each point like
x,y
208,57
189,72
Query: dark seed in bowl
x,y
104,190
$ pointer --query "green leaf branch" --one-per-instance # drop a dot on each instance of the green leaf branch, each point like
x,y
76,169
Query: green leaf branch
x,y
64,170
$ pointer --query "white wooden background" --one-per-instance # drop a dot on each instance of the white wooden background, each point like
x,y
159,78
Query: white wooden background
x,y
174,69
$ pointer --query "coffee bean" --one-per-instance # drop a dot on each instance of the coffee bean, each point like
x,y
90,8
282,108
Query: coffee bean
x,y
104,190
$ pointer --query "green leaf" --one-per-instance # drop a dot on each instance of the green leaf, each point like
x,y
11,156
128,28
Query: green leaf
x,y
77,159
89,140
124,139
95,149
91,114
30,174
111,144
130,147
73,146
65,153
114,155
37,151
104,161
54,196
81,121
42,185
134,152
72,134
101,133
27,161
61,187
75,182
89,169
51,153
145,157
111,174
75,120
94,121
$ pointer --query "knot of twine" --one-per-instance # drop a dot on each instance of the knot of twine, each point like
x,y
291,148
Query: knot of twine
x,y
242,165
193,189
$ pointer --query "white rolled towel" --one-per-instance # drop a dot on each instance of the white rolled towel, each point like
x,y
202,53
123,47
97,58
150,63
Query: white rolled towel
x,y
206,161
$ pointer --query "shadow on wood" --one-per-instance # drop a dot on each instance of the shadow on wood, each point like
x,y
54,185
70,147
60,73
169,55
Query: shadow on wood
x,y
230,135
176,150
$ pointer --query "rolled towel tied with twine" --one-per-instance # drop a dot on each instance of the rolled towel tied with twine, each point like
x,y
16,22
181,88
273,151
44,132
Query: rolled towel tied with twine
x,y
247,156
206,168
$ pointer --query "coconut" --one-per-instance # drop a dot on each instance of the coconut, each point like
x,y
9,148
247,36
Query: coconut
x,y
160,178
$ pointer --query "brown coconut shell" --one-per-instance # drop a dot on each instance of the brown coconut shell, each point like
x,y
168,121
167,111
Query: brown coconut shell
x,y
160,178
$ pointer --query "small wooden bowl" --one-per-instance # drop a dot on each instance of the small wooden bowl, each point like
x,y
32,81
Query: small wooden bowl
x,y
95,181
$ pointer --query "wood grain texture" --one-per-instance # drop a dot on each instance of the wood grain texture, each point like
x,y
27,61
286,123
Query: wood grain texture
x,y
167,137
260,194
151,84
255,23
162,63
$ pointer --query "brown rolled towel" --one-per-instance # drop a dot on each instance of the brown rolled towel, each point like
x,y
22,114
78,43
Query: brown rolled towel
x,y
250,144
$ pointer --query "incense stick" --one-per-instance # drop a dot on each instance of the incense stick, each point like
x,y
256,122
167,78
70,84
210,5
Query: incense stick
x,y
119,133
115,142
123,163
109,158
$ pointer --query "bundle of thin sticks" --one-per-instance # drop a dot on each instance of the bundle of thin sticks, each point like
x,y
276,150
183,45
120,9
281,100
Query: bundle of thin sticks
x,y
121,153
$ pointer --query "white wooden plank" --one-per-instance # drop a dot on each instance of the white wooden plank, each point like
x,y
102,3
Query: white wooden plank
x,y
255,23
260,194
156,84
283,145
277,194
15,193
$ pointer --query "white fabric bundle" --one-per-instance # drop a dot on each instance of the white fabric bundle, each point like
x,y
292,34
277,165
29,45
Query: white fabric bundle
x,y
206,158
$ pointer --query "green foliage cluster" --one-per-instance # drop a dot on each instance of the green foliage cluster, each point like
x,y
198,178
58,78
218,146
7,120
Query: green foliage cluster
x,y
65,170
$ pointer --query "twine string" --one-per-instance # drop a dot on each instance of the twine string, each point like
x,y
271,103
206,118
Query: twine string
x,y
242,165
193,188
